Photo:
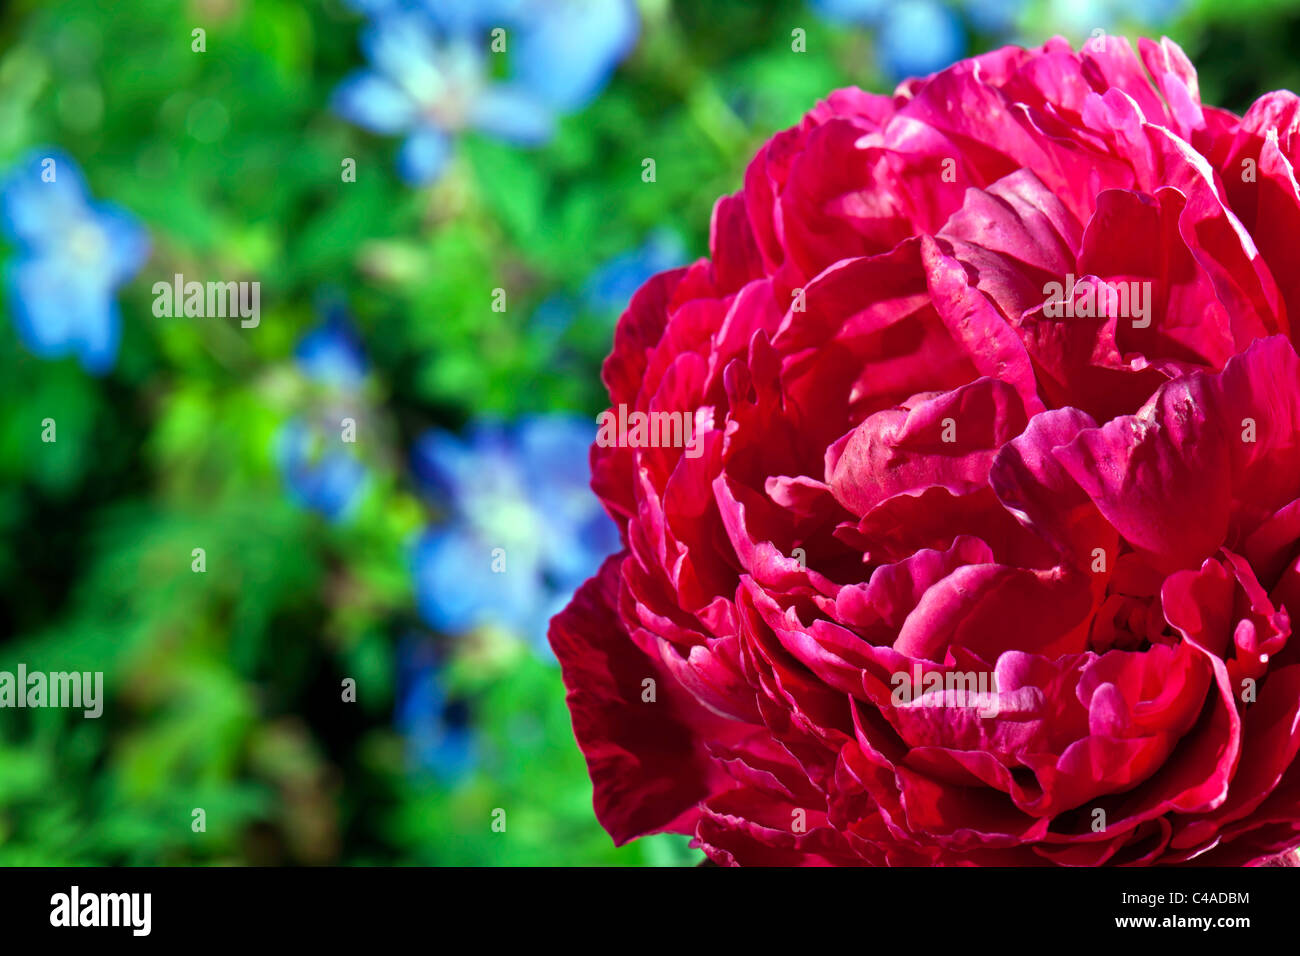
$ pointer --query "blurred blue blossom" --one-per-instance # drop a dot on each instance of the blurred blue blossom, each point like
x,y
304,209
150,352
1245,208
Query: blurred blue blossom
x,y
435,725
611,286
521,489
562,50
567,49
322,471
430,76
849,11
554,315
1154,11
469,15
72,255
454,14
998,17
372,7
914,37
320,477
430,85
332,353
1078,17
919,37
1081,17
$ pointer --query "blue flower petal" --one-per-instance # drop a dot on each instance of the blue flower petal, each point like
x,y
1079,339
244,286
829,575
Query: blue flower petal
x,y
374,103
524,488
457,590
371,8
405,50
1154,11
332,353
553,316
424,156
514,114
567,49
34,210
444,465
476,474
919,37
59,310
72,256
46,321
437,729
464,16
127,241
554,450
994,16
327,483
100,339
611,286
577,534
849,11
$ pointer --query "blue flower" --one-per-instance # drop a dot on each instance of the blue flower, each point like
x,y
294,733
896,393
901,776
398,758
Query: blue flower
x,y
321,471
331,353
566,49
72,255
436,726
611,286
1149,11
1078,17
472,15
523,528
431,85
993,16
430,74
562,50
849,11
325,479
372,8
553,316
919,37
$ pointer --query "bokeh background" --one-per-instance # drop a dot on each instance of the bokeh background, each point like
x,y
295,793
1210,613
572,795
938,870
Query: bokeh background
x,y
444,234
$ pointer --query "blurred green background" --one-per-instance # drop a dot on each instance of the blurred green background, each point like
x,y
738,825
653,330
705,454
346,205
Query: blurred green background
x,y
224,689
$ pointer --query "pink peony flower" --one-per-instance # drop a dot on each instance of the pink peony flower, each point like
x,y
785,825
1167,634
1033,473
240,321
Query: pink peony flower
x,y
988,543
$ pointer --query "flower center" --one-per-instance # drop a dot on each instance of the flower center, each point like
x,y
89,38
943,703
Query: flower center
x,y
86,243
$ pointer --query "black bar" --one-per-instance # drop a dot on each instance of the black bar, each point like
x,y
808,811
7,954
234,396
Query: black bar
x,y
587,907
